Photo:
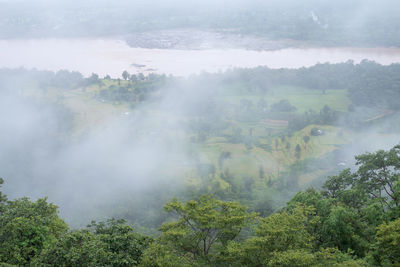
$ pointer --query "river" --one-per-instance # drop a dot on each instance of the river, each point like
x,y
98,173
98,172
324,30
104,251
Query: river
x,y
113,56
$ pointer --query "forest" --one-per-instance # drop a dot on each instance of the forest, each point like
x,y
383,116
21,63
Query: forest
x,y
353,220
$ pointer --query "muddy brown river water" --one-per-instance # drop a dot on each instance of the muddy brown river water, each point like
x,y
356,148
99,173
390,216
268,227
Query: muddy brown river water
x,y
112,56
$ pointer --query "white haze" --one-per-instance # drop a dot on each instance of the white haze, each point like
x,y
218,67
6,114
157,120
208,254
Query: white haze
x,y
129,155
135,156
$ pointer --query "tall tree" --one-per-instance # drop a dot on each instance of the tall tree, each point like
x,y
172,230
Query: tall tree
x,y
202,231
26,228
125,75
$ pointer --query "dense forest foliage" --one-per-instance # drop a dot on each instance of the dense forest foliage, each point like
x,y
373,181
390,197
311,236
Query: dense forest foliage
x,y
368,83
352,221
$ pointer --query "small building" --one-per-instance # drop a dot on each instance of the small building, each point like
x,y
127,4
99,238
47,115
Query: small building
x,y
316,132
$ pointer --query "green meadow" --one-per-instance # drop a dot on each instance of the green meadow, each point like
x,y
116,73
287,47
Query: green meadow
x,y
272,153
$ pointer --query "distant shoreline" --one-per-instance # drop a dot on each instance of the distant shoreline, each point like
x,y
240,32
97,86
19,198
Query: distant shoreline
x,y
195,39
183,57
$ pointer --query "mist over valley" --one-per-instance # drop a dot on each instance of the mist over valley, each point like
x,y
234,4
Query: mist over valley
x,y
199,133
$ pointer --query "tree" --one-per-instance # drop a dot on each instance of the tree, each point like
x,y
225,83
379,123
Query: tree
x,y
306,139
165,254
133,78
3,198
343,229
110,243
322,206
77,248
124,246
67,80
327,115
125,75
93,79
280,233
387,245
283,106
202,230
297,152
26,228
377,180
379,176
335,185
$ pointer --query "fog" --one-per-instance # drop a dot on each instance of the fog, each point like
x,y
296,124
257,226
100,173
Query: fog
x,y
134,158
126,164
128,156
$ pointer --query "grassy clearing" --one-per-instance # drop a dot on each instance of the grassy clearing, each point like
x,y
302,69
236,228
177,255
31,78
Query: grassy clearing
x,y
90,113
247,162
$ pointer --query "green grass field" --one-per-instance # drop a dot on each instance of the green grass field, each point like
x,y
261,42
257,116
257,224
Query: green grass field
x,y
271,154
247,162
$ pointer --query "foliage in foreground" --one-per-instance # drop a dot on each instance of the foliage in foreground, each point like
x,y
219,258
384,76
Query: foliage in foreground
x,y
353,221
